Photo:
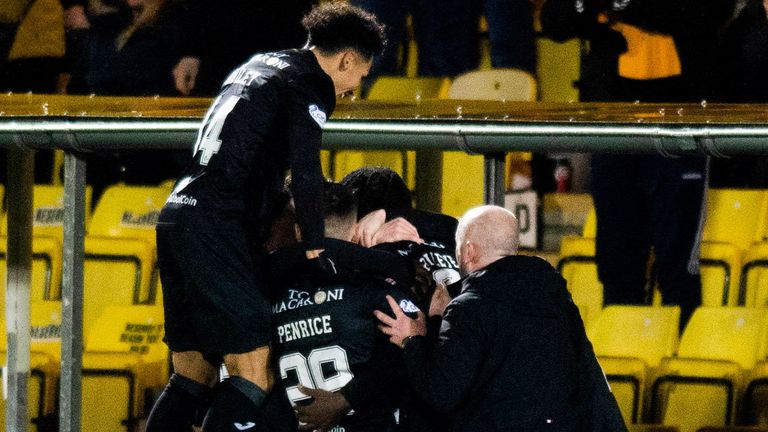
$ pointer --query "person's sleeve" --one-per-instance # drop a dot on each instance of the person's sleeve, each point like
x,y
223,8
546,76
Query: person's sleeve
x,y
306,116
380,379
353,259
443,376
383,375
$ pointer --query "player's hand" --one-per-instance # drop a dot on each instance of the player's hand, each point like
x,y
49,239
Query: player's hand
x,y
325,411
401,326
367,226
439,301
75,18
185,74
396,230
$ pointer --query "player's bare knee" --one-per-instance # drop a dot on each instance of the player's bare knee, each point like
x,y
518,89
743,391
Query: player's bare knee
x,y
253,366
192,365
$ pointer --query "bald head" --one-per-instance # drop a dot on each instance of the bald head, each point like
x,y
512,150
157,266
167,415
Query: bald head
x,y
484,235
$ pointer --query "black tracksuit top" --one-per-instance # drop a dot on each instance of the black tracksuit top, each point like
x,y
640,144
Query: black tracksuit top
x,y
267,119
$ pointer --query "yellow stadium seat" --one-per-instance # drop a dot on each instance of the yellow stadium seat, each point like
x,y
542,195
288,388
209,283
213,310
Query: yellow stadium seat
x,y
736,216
394,88
123,358
129,212
48,211
120,252
653,332
463,174
45,349
735,220
577,266
391,88
494,84
719,266
699,387
46,268
753,290
755,401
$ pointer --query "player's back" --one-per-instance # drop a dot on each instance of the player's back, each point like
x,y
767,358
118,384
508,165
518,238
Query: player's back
x,y
326,335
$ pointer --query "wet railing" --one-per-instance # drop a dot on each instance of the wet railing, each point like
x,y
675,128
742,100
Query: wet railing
x,y
84,124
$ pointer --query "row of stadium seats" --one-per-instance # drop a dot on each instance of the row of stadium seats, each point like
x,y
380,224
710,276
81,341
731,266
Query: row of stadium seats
x,y
462,174
716,374
734,254
124,356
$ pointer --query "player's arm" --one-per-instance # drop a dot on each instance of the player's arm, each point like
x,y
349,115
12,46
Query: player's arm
x,y
306,115
441,375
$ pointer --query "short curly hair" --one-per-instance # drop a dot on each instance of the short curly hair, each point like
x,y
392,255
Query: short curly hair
x,y
336,26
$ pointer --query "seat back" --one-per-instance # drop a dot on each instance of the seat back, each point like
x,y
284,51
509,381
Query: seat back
x,y
396,88
577,266
494,84
48,211
653,332
734,334
129,212
736,216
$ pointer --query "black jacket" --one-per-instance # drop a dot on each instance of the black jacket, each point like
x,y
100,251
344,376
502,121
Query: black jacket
x,y
267,119
693,24
513,356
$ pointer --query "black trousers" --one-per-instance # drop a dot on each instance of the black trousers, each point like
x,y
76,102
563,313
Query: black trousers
x,y
645,201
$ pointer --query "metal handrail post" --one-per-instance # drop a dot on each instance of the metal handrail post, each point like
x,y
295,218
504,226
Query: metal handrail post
x,y
72,294
494,179
21,166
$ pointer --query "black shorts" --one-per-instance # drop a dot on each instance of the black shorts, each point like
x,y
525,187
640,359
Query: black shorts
x,y
213,294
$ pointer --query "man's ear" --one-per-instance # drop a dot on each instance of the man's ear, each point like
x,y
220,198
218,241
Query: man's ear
x,y
348,59
470,252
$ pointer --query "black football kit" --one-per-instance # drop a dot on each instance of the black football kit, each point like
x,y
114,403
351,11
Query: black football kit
x,y
267,119
325,337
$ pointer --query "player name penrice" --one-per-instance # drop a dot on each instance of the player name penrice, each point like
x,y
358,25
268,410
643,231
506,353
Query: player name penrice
x,y
304,328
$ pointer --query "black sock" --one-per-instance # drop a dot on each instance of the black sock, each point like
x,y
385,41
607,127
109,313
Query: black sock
x,y
236,407
179,405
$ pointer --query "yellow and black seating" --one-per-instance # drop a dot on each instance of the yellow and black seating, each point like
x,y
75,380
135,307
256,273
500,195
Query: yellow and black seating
x,y
735,219
123,358
630,342
45,348
700,386
393,89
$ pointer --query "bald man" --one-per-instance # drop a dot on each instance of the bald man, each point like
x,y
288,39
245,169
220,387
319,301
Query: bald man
x,y
512,354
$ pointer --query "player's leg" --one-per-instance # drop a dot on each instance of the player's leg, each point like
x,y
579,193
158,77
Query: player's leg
x,y
238,399
187,395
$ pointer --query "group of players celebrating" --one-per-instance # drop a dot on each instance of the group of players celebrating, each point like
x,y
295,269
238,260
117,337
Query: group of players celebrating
x,y
265,280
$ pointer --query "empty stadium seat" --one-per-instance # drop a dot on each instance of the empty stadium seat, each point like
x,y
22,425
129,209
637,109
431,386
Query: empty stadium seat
x,y
462,181
123,359
753,289
577,266
45,348
735,219
699,387
120,252
392,88
48,211
494,84
653,332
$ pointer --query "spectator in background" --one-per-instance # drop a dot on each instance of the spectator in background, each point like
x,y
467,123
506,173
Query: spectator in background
x,y
512,353
446,32
131,51
225,33
651,52
739,72
35,51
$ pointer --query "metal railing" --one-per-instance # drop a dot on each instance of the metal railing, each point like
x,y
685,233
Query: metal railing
x,y
80,124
